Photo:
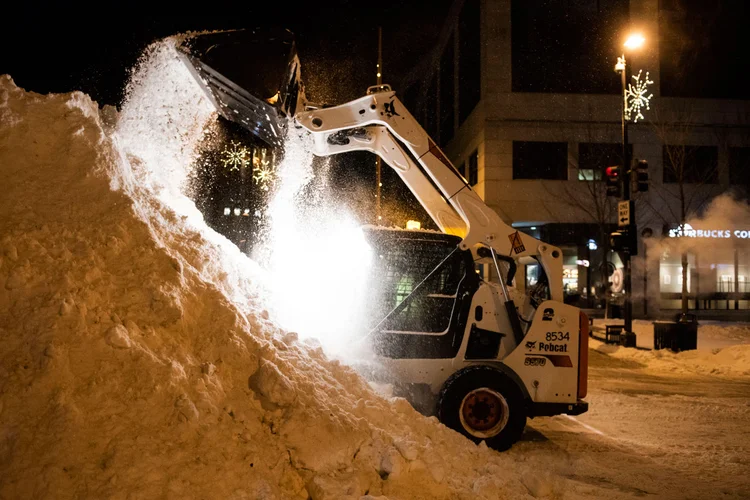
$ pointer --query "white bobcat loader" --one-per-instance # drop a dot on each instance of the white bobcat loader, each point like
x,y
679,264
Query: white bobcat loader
x,y
490,355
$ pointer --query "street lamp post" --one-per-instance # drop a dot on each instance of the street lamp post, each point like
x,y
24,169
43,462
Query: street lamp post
x,y
378,180
633,42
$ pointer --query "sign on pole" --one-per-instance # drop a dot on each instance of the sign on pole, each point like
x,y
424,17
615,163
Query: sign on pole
x,y
623,213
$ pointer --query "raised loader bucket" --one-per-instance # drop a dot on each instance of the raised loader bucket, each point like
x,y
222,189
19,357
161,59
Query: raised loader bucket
x,y
251,76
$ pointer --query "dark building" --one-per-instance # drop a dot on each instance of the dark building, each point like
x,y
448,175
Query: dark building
x,y
523,98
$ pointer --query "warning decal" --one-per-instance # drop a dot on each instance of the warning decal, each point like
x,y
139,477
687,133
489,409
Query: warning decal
x,y
516,243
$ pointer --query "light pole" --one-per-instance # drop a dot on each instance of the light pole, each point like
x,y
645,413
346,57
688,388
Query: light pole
x,y
378,180
633,42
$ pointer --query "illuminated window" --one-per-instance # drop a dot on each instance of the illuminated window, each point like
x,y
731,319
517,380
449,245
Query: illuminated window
x,y
588,174
227,211
237,211
404,287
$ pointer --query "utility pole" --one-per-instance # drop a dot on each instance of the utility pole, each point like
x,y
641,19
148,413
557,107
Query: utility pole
x,y
378,183
619,182
627,238
628,312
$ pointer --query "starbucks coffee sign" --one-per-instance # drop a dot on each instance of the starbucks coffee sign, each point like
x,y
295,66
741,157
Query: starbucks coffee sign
x,y
687,231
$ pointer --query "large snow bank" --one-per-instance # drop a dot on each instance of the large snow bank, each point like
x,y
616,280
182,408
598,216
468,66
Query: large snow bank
x,y
136,358
730,361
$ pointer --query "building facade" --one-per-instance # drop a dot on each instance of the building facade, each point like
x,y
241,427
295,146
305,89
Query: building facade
x,y
523,98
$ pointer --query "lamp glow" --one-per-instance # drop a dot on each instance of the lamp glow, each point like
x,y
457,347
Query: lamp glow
x,y
634,41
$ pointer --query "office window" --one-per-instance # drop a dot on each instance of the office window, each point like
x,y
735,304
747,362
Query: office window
x,y
430,108
462,169
690,164
540,160
469,64
551,53
594,157
447,93
474,168
739,167
589,174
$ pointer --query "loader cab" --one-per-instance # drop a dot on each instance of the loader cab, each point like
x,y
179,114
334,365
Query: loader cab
x,y
422,286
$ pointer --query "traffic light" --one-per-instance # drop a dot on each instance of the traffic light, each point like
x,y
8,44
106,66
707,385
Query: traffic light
x,y
614,187
624,240
640,177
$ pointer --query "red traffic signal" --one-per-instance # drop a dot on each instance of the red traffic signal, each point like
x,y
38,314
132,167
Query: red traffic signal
x,y
614,186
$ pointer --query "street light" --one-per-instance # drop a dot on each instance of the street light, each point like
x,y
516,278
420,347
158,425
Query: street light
x,y
633,42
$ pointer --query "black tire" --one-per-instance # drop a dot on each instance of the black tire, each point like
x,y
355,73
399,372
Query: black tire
x,y
482,403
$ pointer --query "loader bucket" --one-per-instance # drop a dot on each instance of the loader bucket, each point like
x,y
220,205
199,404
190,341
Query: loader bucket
x,y
251,76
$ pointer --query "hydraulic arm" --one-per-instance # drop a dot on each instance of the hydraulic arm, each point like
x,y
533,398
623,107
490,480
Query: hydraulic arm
x,y
380,123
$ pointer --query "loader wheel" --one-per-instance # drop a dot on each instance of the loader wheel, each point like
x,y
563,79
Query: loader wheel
x,y
483,404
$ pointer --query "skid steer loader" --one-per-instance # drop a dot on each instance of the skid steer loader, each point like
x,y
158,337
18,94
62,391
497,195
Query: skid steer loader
x,y
490,355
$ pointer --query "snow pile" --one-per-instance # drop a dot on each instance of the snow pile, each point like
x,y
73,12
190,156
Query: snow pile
x,y
136,358
730,361
721,332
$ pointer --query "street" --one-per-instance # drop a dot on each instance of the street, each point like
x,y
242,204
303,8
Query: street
x,y
658,435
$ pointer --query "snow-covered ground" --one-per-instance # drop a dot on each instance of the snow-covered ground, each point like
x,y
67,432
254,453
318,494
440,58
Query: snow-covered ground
x,y
660,424
138,358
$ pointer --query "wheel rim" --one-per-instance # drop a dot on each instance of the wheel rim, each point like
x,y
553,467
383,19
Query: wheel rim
x,y
484,412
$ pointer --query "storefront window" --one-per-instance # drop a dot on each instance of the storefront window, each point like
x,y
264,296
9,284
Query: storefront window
x,y
743,272
570,271
717,270
670,272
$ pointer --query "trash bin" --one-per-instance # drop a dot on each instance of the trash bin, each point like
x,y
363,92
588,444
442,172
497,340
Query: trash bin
x,y
677,336
614,311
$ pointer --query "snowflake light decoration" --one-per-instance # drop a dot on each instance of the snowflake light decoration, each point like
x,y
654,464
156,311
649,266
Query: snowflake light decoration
x,y
263,172
636,98
235,157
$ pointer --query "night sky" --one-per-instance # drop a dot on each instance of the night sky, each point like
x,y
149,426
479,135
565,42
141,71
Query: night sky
x,y
50,48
